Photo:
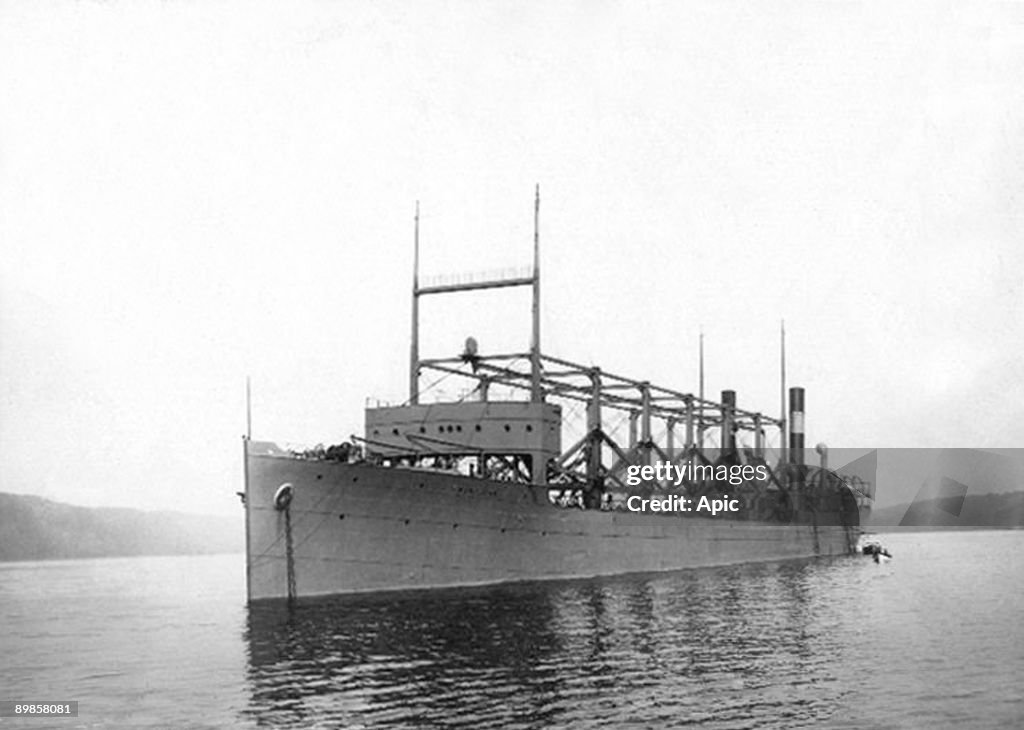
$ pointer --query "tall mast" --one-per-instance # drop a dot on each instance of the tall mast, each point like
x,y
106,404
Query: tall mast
x,y
475,284
782,384
700,409
535,392
248,408
414,348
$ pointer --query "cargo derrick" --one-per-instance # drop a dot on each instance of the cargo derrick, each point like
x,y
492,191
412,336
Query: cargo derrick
x,y
520,440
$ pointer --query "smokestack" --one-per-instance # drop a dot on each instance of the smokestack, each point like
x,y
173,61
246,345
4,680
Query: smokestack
x,y
728,418
796,425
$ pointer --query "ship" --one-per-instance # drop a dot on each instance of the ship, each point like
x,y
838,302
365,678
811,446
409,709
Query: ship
x,y
488,489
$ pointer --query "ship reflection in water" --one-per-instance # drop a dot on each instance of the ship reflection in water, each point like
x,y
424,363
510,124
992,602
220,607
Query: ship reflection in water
x,y
728,647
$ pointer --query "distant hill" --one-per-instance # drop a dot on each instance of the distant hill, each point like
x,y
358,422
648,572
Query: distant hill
x,y
973,510
33,528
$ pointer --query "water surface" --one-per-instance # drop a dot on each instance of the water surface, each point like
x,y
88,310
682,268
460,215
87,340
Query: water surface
x,y
931,639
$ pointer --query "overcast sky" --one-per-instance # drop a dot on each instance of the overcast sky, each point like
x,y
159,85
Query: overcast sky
x,y
193,192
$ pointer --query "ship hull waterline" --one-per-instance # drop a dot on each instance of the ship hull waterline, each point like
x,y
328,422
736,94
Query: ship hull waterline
x,y
357,527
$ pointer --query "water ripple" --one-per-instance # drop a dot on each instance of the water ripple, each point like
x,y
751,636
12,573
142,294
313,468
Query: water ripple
x,y
931,640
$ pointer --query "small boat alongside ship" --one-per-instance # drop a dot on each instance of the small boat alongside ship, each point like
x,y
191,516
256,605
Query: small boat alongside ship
x,y
484,490
874,548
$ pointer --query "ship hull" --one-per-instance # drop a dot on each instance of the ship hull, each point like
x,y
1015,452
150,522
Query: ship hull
x,y
359,527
